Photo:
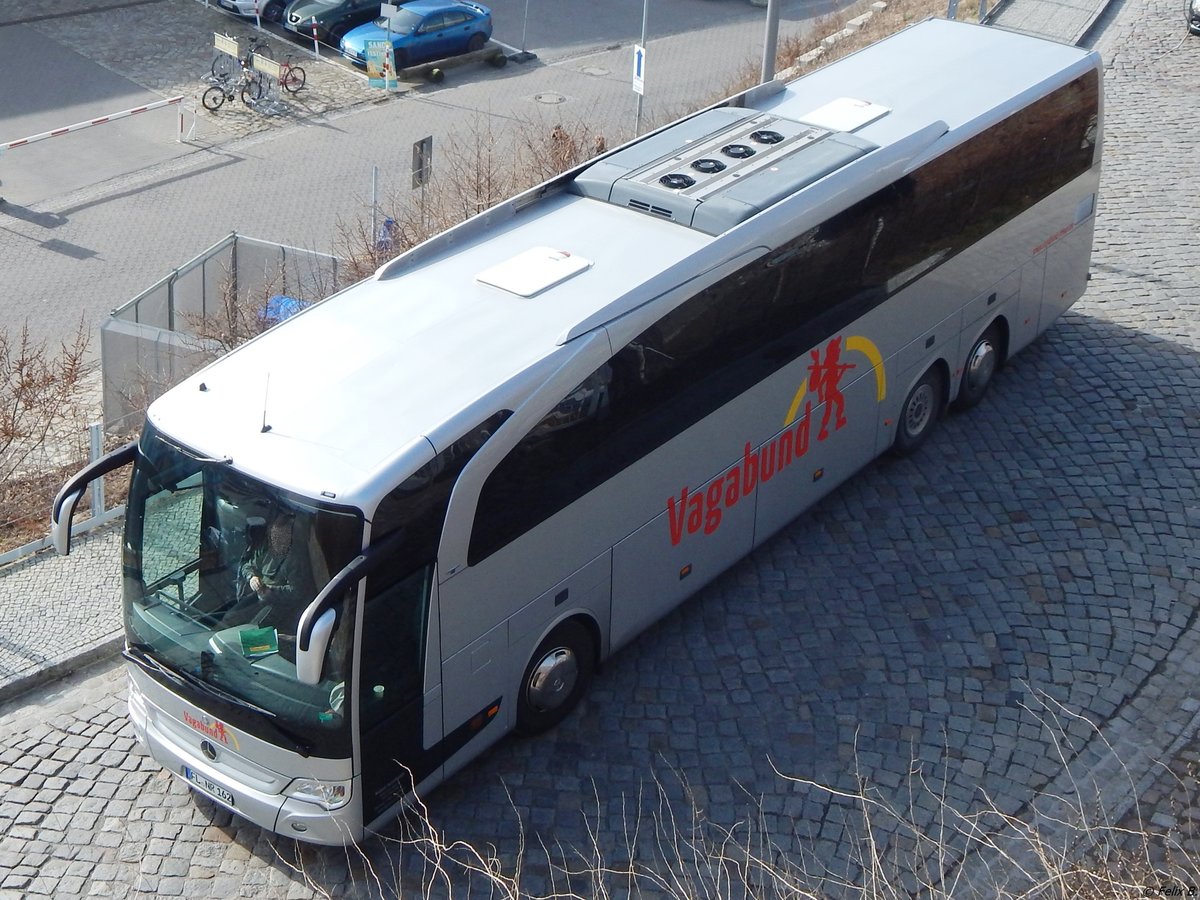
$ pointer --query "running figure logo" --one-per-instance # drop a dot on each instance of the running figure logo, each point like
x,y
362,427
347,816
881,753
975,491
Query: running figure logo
x,y
824,378
703,509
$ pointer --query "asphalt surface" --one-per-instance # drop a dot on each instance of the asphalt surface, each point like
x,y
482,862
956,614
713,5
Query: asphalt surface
x,y
1002,626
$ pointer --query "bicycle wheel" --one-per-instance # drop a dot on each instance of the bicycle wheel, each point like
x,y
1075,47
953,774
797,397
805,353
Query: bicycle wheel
x,y
213,98
293,79
251,90
222,65
263,49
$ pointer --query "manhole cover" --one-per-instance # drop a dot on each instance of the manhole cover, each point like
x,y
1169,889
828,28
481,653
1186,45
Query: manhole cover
x,y
550,98
594,70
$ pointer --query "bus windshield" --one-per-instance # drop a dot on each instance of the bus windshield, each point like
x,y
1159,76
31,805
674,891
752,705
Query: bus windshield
x,y
218,569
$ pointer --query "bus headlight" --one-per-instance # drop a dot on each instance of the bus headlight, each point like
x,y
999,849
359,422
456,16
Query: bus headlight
x,y
327,794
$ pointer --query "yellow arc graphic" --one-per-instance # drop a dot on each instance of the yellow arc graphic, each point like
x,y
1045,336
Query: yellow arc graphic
x,y
867,348
800,394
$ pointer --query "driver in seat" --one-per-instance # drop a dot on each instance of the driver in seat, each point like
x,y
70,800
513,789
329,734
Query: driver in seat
x,y
274,572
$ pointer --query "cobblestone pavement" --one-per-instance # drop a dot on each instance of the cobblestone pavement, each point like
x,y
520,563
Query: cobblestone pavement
x,y
1011,611
60,611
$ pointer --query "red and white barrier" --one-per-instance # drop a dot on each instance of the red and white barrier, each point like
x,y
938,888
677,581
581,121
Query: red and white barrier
x,y
79,126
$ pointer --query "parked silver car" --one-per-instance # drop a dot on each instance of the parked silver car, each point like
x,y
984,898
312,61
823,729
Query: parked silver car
x,y
269,10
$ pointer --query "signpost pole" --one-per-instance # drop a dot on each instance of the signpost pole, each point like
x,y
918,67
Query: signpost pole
x,y
639,69
770,41
524,55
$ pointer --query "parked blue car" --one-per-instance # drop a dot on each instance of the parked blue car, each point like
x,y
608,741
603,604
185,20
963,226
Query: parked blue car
x,y
422,30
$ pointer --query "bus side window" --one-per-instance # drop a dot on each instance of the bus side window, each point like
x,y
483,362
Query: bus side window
x,y
735,332
393,658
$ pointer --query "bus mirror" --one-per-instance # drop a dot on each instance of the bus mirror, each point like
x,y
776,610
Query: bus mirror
x,y
308,662
317,621
68,497
60,522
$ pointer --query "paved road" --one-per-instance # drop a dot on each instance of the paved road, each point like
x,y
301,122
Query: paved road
x,y
948,630
48,86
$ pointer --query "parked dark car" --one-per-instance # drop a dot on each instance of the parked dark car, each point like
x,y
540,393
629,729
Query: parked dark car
x,y
423,30
334,17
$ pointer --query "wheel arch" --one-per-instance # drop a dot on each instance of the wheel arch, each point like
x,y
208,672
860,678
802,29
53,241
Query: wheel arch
x,y
583,617
942,366
593,630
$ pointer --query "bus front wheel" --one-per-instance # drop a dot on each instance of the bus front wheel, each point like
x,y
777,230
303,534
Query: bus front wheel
x,y
920,412
556,678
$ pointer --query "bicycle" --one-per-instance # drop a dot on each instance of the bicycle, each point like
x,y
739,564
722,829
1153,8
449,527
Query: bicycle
x,y
259,46
224,89
291,78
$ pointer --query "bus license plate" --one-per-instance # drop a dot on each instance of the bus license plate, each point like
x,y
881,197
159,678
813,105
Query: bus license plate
x,y
208,787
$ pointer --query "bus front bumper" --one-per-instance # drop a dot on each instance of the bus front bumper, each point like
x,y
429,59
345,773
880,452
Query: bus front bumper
x,y
273,811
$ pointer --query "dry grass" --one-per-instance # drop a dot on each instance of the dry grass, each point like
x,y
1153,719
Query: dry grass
x,y
667,849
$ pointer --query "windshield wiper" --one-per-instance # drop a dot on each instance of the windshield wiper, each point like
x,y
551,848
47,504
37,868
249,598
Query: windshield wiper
x,y
136,652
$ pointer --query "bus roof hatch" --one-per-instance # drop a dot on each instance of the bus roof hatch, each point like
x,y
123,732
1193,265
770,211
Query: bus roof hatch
x,y
533,271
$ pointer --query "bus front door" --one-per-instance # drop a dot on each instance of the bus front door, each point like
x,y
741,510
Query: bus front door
x,y
399,683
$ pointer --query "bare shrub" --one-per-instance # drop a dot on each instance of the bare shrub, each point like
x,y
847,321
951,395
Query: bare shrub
x,y
43,413
242,313
475,172
833,40
239,316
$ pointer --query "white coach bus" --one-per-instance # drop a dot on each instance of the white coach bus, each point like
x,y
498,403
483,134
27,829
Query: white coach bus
x,y
367,544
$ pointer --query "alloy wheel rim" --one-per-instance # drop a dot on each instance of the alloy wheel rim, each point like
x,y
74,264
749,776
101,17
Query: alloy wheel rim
x,y
919,410
981,366
553,679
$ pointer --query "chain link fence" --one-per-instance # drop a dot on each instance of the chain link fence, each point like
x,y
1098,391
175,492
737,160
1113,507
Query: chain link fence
x,y
238,287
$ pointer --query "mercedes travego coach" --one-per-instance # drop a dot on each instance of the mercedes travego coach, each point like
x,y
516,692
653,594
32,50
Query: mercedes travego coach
x,y
368,543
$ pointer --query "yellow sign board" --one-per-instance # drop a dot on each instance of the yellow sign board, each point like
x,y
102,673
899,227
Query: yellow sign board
x,y
223,43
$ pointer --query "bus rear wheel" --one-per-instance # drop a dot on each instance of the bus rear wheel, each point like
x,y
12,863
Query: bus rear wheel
x,y
556,678
920,412
981,366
